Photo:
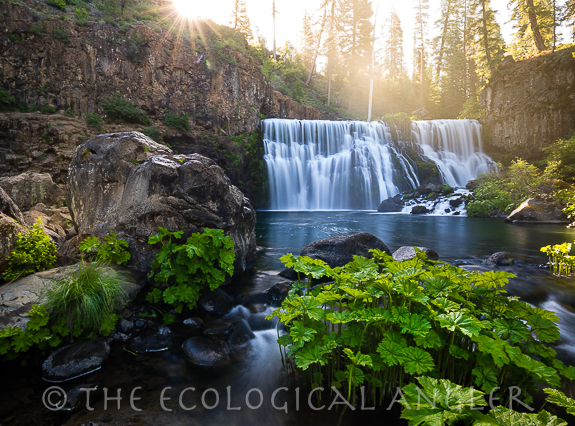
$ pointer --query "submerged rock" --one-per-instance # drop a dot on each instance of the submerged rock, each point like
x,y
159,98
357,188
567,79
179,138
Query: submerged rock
x,y
339,251
137,185
408,253
75,360
217,328
539,209
159,340
194,325
205,354
501,258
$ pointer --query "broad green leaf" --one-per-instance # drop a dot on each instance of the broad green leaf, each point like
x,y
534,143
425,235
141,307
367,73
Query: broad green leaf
x,y
540,371
416,360
460,321
485,377
547,331
559,398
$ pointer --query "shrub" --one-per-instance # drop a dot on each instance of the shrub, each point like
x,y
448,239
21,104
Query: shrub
x,y
38,30
69,113
48,109
94,121
124,111
7,101
383,324
34,251
82,16
135,51
61,34
60,4
86,299
561,159
113,249
183,271
154,133
180,122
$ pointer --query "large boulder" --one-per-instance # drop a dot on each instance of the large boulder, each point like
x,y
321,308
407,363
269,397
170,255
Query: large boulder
x,y
130,185
205,355
501,258
391,205
28,189
539,209
339,251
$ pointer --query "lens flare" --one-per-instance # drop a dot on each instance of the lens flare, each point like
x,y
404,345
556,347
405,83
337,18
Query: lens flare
x,y
192,9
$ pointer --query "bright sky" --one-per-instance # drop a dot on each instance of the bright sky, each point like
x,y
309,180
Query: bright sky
x,y
291,12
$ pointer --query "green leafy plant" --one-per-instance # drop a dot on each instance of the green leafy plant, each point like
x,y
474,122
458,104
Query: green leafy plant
x,y
136,51
60,4
381,324
180,122
37,30
183,271
113,249
34,251
69,112
48,109
61,34
124,111
86,299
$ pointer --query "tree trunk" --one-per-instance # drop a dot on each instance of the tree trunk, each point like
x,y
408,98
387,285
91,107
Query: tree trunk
x,y
372,65
539,43
486,37
353,61
445,23
317,46
274,15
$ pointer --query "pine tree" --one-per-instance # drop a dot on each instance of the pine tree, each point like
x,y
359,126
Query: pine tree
x,y
569,16
240,19
419,41
331,44
489,46
307,40
393,53
355,39
535,26
318,42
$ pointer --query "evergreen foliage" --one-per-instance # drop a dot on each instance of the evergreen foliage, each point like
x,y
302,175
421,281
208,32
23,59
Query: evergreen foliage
x,y
124,111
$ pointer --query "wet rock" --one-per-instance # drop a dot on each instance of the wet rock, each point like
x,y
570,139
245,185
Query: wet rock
x,y
75,360
125,325
430,188
408,253
471,185
391,205
288,273
339,251
278,293
539,209
137,185
28,189
456,213
157,340
76,397
420,210
447,210
194,325
217,328
447,189
217,302
455,202
205,355
240,336
140,323
121,337
501,258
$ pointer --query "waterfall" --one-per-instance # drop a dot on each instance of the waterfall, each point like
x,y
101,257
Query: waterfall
x,y
314,165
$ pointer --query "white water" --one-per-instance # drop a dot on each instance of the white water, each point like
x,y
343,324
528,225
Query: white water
x,y
315,165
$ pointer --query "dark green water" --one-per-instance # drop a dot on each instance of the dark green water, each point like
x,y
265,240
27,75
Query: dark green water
x,y
452,237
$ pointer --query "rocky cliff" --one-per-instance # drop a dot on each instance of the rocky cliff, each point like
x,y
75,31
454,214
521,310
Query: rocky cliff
x,y
531,103
48,62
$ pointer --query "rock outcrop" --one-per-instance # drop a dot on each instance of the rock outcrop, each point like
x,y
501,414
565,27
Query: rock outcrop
x,y
75,360
136,185
29,189
530,104
539,209
11,221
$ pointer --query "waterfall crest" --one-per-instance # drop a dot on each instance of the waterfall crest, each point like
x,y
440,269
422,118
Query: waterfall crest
x,y
316,164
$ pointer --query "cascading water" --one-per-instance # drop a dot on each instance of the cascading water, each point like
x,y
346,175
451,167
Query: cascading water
x,y
315,165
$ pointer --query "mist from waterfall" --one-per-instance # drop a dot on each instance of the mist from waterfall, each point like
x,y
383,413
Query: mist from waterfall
x,y
316,165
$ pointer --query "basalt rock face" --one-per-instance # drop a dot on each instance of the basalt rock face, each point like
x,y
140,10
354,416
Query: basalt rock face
x,y
539,209
127,184
29,189
530,104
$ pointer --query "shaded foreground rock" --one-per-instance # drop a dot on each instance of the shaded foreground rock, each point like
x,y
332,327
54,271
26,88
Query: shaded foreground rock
x,y
205,355
420,210
339,251
277,293
539,209
391,205
75,360
11,221
154,341
408,253
217,302
501,258
28,189
137,185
